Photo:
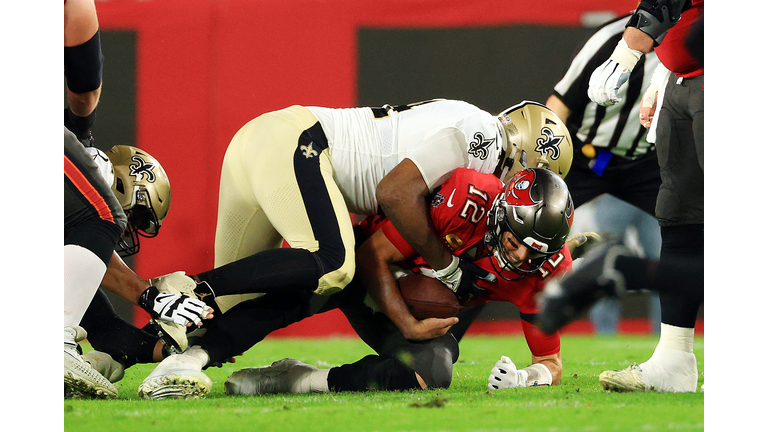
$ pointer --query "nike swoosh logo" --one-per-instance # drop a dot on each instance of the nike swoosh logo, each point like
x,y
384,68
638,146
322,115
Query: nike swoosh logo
x,y
450,204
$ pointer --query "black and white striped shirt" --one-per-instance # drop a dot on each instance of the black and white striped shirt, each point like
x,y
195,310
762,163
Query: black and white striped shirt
x,y
616,127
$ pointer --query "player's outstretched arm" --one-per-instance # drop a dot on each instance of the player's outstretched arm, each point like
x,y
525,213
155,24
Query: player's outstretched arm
x,y
545,371
171,307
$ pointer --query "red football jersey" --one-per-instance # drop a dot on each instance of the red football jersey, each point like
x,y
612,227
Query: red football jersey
x,y
672,51
459,210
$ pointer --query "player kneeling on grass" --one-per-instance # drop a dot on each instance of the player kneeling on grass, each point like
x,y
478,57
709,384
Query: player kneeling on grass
x,y
514,235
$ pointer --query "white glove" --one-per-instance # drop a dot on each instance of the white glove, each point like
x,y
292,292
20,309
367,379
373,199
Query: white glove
x,y
460,277
175,283
505,375
175,308
606,80
104,364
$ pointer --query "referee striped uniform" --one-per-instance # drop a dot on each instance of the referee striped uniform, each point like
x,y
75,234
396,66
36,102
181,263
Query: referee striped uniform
x,y
620,161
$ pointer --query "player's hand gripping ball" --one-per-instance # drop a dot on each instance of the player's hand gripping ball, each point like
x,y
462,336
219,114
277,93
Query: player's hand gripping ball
x,y
427,297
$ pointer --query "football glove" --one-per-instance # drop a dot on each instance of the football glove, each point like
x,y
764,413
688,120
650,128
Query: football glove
x,y
175,308
607,79
505,375
460,277
580,244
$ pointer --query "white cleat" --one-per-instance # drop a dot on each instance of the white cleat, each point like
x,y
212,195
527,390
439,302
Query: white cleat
x,y
179,376
283,376
105,365
678,374
626,380
81,380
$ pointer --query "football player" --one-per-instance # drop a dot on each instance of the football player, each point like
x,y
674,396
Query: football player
x,y
675,104
516,233
141,188
296,174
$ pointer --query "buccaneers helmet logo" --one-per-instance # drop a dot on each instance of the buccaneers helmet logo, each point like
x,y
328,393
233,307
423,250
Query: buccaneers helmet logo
x,y
519,189
549,143
479,147
141,168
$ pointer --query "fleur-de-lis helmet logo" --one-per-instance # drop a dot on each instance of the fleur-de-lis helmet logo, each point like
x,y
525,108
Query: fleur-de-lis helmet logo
x,y
142,169
549,143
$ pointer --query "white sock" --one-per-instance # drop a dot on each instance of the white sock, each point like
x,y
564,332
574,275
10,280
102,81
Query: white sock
x,y
198,354
83,272
318,381
673,366
676,338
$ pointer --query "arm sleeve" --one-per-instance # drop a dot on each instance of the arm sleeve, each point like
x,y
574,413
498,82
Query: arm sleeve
x,y
391,233
439,155
540,343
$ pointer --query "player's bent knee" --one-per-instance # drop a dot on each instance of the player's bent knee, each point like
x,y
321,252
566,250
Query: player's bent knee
x,y
433,362
337,280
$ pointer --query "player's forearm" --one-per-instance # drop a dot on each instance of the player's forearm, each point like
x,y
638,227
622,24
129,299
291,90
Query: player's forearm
x,y
402,195
554,364
83,104
638,40
121,280
381,285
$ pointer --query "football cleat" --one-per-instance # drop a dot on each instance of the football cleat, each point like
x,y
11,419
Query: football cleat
x,y
625,380
283,376
81,380
179,376
564,300
105,365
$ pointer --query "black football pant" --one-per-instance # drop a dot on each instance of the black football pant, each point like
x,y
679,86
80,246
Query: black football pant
x,y
393,368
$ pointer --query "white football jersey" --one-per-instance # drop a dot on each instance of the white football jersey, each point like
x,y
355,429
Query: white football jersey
x,y
438,136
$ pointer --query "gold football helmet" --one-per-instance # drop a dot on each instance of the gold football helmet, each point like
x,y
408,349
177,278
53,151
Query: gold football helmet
x,y
536,137
144,192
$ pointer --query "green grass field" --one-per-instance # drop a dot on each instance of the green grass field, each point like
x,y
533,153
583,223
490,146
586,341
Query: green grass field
x,y
577,404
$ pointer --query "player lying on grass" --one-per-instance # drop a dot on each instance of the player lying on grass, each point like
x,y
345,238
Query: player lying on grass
x,y
411,354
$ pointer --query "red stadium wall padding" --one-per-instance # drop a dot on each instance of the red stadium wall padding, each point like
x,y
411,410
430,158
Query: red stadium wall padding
x,y
206,67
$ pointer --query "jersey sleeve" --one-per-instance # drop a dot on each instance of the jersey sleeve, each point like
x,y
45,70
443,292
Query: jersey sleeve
x,y
438,157
540,343
394,236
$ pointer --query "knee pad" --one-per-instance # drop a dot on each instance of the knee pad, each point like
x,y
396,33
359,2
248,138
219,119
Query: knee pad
x,y
432,360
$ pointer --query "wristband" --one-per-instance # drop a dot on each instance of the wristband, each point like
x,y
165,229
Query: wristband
x,y
625,56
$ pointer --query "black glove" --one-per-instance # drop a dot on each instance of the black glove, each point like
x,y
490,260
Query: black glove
x,y
461,277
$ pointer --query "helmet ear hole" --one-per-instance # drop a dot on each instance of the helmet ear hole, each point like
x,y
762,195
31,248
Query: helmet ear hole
x,y
119,186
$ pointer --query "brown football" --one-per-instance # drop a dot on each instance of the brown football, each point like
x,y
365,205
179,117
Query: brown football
x,y
427,297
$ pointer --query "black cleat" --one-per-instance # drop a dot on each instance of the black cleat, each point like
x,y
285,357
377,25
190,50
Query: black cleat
x,y
565,300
